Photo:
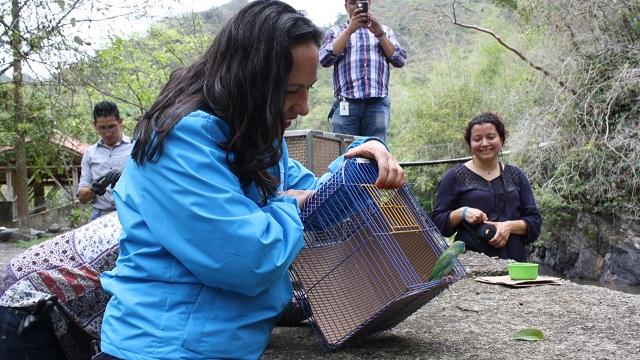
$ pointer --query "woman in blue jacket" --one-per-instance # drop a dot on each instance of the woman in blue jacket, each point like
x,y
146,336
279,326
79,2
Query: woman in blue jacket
x,y
209,201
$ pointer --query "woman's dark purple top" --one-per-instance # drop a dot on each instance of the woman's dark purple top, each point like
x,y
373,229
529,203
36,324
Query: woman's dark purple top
x,y
462,187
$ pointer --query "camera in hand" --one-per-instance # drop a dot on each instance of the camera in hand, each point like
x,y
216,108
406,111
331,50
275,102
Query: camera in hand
x,y
485,232
363,6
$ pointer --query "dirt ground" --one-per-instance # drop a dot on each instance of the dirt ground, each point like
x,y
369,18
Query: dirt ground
x,y
473,320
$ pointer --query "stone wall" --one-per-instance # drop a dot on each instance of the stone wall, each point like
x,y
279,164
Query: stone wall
x,y
593,248
42,220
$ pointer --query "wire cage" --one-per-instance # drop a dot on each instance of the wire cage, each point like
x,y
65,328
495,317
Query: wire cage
x,y
316,149
367,257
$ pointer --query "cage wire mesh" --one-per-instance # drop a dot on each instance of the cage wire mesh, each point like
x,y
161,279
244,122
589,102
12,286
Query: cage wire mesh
x,y
367,257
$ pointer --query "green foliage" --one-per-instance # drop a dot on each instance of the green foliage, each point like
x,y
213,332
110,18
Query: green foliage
x,y
33,242
509,4
556,212
528,334
592,160
432,102
40,123
132,71
424,183
79,216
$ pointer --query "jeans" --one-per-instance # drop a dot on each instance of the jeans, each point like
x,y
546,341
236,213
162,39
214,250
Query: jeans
x,y
367,117
38,343
96,213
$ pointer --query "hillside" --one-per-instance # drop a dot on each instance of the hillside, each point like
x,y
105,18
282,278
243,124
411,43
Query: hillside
x,y
569,97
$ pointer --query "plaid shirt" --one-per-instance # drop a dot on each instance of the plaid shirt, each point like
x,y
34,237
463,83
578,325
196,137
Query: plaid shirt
x,y
361,71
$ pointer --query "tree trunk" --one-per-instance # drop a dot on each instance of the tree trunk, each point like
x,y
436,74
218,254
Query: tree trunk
x,y
18,118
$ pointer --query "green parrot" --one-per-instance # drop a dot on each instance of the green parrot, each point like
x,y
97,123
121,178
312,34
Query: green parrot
x,y
446,261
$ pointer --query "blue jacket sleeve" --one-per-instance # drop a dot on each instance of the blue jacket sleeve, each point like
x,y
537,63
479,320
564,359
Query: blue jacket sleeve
x,y
299,177
529,210
196,209
446,198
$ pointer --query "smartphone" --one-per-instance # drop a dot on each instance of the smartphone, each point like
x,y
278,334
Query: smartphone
x,y
363,6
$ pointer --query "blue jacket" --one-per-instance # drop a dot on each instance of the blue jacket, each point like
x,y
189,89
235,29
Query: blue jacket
x,y
202,271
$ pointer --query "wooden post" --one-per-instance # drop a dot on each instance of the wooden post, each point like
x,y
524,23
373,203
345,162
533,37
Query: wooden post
x,y
10,195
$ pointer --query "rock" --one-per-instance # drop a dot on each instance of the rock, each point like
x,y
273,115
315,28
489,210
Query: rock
x,y
476,264
624,264
54,228
593,248
589,265
36,233
20,236
65,229
5,234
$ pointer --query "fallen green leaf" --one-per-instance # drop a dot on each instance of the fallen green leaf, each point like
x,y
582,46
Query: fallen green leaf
x,y
78,40
529,334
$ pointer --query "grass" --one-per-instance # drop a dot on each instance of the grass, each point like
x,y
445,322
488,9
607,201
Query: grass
x,y
35,241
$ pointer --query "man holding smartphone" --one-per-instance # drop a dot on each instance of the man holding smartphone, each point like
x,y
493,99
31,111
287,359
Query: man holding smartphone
x,y
360,53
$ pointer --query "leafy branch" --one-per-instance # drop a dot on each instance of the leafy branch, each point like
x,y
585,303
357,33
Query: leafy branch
x,y
539,68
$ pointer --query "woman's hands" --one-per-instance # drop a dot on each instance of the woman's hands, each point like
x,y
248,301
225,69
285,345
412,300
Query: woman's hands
x,y
473,216
300,195
390,174
503,231
477,216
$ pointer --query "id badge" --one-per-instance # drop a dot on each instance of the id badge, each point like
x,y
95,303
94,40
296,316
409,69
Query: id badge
x,y
344,108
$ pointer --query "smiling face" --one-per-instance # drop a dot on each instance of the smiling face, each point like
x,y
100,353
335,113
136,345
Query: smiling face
x,y
304,74
485,142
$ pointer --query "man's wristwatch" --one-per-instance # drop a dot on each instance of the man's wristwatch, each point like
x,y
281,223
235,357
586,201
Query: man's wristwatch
x,y
382,33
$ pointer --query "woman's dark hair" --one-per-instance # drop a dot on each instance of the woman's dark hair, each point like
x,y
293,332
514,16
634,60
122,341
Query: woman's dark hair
x,y
486,118
105,109
242,79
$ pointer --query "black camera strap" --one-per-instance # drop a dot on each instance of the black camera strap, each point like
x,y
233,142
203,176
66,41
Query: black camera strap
x,y
501,210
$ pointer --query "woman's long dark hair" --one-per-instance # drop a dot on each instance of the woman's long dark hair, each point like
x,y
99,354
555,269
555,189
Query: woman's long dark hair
x,y
242,79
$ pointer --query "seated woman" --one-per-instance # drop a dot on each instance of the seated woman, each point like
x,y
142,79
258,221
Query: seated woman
x,y
484,191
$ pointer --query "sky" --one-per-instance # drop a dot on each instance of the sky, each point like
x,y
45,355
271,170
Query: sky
x,y
96,34
321,12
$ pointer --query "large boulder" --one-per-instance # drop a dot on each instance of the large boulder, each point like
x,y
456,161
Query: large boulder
x,y
593,248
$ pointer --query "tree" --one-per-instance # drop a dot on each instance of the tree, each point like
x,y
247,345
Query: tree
x,y
41,36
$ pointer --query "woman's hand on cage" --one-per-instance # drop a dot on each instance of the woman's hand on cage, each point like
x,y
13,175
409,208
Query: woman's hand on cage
x,y
300,195
390,174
